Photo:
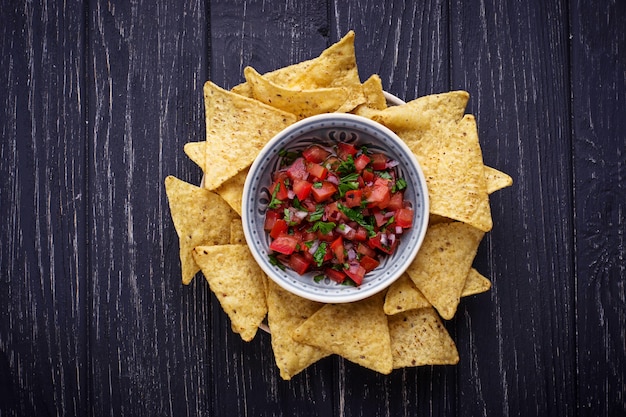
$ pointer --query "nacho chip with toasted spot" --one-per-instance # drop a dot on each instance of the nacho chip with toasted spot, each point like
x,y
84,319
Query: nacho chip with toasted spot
x,y
237,281
237,128
302,103
496,180
356,331
440,269
200,217
286,312
403,295
374,98
418,337
475,283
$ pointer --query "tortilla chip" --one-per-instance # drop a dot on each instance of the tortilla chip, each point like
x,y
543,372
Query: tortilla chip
x,y
403,295
232,190
196,151
496,180
440,269
237,236
475,283
286,312
374,98
356,331
302,103
418,337
335,67
236,129
200,217
284,77
237,281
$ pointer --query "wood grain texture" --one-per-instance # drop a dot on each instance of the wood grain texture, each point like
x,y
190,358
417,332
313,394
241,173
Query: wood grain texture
x,y
599,157
518,79
148,334
43,293
99,99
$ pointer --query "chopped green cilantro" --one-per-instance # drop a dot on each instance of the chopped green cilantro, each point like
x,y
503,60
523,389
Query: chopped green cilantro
x,y
357,216
288,157
383,174
320,253
319,278
317,184
348,182
317,214
399,185
274,261
324,227
347,166
275,202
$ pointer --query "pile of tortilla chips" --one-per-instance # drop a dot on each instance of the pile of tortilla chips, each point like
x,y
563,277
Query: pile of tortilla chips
x,y
400,327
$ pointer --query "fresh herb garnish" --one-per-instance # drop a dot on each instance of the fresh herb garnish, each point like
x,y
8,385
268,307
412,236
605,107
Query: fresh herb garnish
x,y
275,202
347,166
320,253
319,278
287,157
347,183
324,227
317,214
399,185
274,261
357,216
384,175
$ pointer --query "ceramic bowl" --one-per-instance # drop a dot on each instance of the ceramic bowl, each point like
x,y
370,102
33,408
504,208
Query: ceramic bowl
x,y
326,129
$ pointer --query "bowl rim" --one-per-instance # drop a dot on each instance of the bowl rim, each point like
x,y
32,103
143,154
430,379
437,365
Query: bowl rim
x,y
352,293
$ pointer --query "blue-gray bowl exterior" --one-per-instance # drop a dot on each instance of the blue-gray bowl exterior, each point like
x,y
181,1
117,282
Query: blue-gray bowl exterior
x,y
328,131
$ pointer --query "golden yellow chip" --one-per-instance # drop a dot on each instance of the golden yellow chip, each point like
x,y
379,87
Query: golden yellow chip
x,y
232,190
196,151
356,331
236,232
286,312
236,129
335,67
496,180
475,283
418,337
440,269
238,283
302,103
403,295
282,76
200,217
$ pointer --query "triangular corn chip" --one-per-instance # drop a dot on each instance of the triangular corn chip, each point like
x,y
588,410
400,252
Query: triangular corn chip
x,y
475,283
356,331
403,295
232,190
302,103
286,312
237,128
418,337
238,283
200,217
496,180
196,151
440,269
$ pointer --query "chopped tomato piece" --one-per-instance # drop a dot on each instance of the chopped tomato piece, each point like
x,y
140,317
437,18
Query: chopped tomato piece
x,y
353,198
324,191
302,188
368,175
337,276
365,250
345,149
338,249
381,242
379,161
270,219
379,194
297,170
317,171
280,227
284,244
315,153
299,263
356,272
282,193
361,234
396,201
404,218
361,162
368,263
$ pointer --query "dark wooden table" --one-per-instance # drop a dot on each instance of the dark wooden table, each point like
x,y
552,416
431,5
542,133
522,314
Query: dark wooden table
x,y
100,97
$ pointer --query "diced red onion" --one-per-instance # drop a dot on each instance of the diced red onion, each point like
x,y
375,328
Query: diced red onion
x,y
398,230
332,179
383,239
344,229
389,214
291,194
392,163
351,255
392,239
314,246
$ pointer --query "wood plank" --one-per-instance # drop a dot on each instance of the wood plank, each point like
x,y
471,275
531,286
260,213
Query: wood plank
x,y
43,195
513,59
599,142
148,332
